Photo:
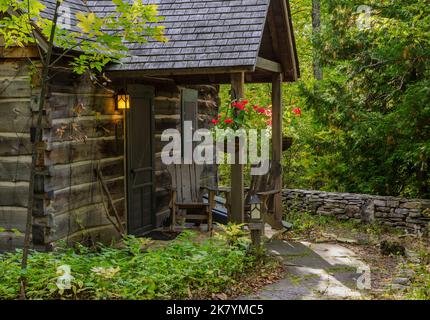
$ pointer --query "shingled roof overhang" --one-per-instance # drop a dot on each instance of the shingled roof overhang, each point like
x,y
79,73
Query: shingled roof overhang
x,y
210,39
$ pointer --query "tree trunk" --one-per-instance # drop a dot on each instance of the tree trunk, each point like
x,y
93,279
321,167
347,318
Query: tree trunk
x,y
34,152
316,30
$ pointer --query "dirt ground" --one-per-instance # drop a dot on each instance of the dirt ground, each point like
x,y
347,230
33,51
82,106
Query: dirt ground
x,y
365,242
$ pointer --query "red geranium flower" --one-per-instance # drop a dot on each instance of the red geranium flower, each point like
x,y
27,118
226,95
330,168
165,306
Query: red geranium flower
x,y
261,110
228,121
215,121
239,105
297,111
256,108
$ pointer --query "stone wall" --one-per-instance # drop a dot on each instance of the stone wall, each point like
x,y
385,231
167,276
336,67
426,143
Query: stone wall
x,y
408,214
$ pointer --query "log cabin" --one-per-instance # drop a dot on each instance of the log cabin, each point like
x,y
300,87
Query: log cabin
x,y
211,42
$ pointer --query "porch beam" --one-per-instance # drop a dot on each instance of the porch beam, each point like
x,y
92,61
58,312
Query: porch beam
x,y
294,70
237,214
277,115
268,65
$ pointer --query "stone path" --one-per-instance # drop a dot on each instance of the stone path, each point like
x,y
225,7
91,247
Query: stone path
x,y
313,271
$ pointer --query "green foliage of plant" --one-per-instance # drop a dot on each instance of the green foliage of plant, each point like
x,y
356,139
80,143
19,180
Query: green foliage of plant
x,y
304,223
234,235
185,268
130,22
370,117
419,288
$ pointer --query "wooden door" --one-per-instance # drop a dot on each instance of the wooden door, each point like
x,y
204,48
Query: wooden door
x,y
140,160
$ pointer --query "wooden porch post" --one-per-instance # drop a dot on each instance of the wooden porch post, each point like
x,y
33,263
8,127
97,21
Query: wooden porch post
x,y
277,113
237,187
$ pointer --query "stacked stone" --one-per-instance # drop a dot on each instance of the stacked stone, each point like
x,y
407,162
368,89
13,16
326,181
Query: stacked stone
x,y
412,215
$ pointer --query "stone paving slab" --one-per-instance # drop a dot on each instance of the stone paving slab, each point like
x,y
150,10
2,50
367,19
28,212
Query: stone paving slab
x,y
313,271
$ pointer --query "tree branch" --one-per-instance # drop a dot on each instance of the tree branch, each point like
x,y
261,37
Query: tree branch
x,y
38,138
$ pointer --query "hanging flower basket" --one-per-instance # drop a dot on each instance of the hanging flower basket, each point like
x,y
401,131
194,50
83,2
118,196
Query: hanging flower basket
x,y
243,115
240,114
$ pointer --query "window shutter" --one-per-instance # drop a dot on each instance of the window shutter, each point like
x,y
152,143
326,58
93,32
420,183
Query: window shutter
x,y
189,99
189,105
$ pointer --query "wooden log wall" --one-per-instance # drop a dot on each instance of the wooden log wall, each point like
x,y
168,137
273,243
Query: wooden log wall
x,y
17,96
84,131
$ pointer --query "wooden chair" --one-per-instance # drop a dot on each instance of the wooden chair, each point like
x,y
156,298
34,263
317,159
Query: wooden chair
x,y
187,194
264,187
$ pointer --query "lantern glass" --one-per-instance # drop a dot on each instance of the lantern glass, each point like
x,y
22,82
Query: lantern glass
x,y
255,211
123,101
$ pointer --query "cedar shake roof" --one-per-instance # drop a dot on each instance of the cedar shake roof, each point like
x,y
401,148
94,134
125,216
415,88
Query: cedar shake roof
x,y
208,34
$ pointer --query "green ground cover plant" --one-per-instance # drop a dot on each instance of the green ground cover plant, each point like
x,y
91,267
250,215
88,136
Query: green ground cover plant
x,y
419,288
185,268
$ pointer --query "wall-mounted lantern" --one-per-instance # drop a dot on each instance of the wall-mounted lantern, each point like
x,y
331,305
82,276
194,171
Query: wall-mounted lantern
x,y
122,100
